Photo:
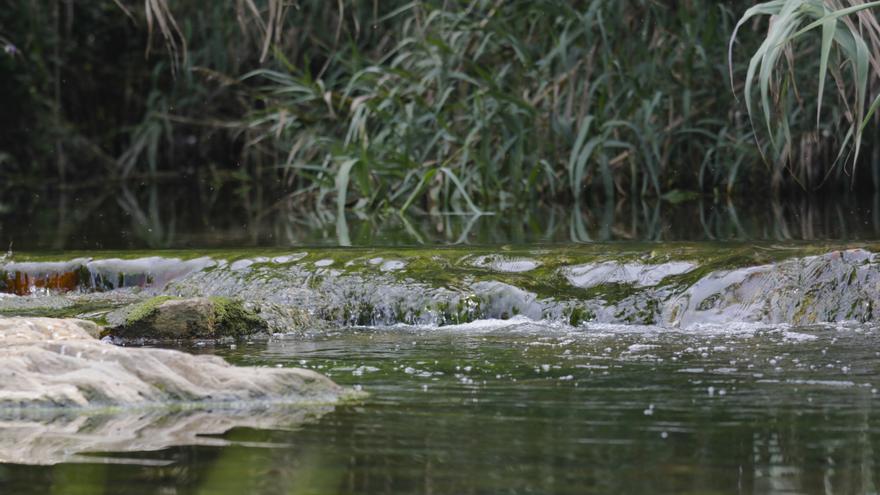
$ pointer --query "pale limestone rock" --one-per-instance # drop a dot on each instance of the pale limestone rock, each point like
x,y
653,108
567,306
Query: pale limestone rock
x,y
47,362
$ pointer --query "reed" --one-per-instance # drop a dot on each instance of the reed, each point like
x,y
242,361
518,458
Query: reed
x,y
435,106
847,35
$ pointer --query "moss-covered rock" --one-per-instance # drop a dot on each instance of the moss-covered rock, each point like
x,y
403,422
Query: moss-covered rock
x,y
675,285
170,318
232,319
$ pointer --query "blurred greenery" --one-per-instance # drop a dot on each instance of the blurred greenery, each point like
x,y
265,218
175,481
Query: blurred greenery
x,y
430,106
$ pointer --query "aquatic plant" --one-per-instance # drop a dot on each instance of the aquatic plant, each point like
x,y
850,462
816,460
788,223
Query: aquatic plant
x,y
850,42
422,106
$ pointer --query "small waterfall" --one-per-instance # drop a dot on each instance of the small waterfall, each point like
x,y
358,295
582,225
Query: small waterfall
x,y
677,287
88,275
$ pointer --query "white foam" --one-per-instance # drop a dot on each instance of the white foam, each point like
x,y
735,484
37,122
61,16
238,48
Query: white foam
x,y
488,324
822,383
640,348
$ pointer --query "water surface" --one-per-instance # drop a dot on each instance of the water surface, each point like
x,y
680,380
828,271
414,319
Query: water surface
x,y
511,406
523,407
207,214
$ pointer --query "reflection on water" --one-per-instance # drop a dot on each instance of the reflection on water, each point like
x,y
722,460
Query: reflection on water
x,y
52,437
526,408
211,215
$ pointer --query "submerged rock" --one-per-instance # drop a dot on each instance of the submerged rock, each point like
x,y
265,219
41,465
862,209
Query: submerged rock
x,y
637,274
674,286
168,318
505,264
833,287
47,363
641,288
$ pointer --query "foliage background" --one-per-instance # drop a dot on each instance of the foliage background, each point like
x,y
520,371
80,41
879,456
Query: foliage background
x,y
431,105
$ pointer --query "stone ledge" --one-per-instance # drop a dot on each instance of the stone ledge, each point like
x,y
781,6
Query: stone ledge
x,y
50,363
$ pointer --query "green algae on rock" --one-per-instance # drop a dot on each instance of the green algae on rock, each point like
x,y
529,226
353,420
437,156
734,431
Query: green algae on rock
x,y
170,318
674,285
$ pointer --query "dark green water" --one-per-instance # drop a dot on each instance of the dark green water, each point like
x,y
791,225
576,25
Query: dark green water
x,y
519,407
205,214
491,407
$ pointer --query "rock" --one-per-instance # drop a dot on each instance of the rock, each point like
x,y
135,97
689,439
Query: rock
x,y
24,278
676,286
167,318
47,363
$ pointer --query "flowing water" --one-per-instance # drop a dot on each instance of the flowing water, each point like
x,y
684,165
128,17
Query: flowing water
x,y
553,365
522,407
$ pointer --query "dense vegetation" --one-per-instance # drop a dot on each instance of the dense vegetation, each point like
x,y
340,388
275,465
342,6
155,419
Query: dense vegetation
x,y
428,105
